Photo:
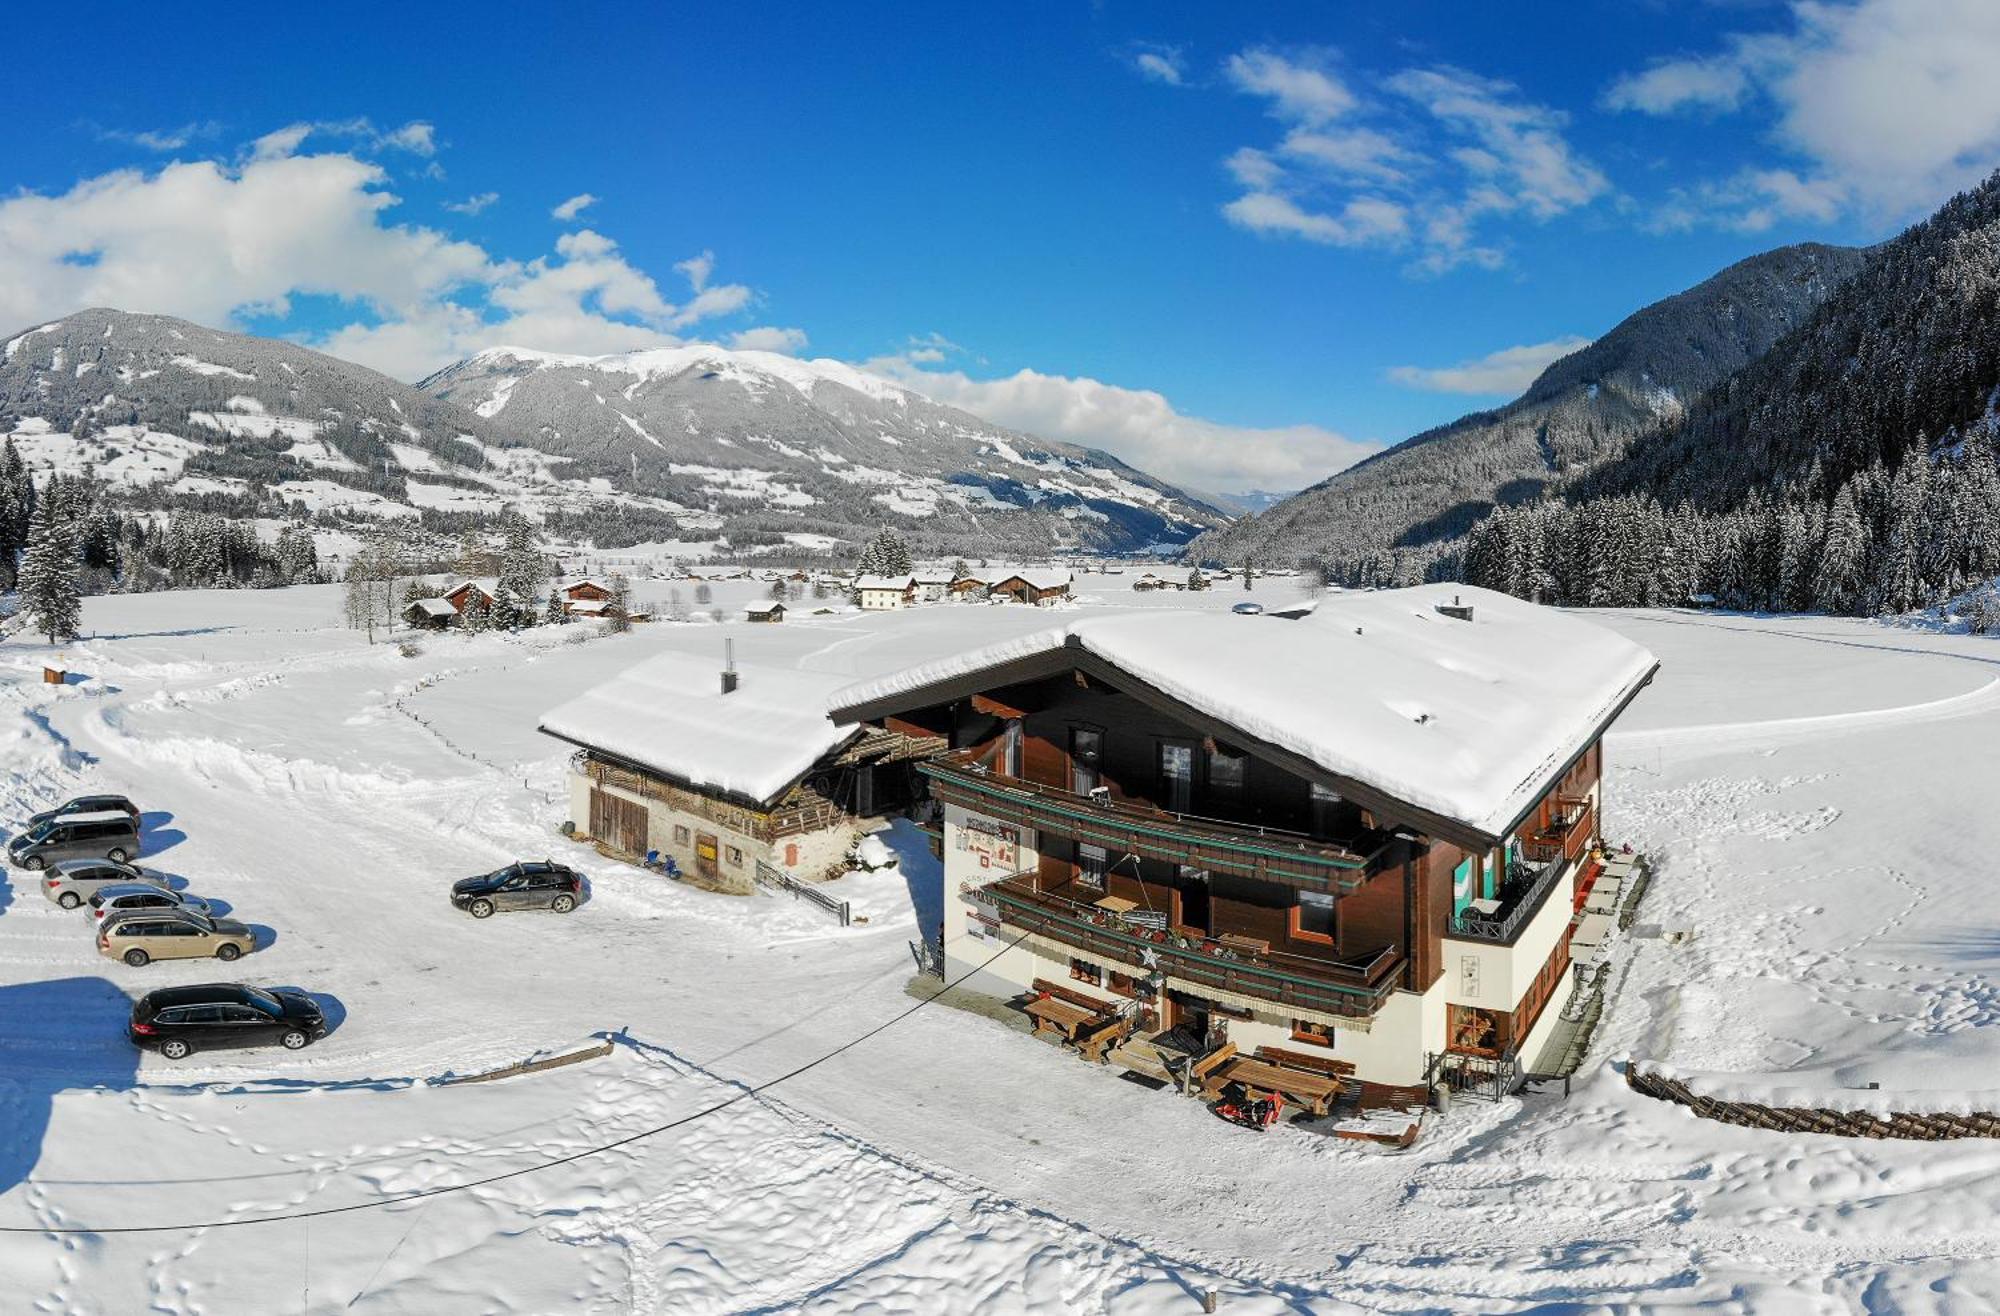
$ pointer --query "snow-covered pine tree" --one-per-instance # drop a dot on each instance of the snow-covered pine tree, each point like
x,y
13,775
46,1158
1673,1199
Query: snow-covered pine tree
x,y
50,596
523,570
553,612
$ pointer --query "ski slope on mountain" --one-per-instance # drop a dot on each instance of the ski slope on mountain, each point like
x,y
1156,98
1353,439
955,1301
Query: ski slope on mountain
x,y
1815,860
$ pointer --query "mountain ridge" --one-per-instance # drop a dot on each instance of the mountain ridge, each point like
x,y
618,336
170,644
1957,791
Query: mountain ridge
x,y
1400,513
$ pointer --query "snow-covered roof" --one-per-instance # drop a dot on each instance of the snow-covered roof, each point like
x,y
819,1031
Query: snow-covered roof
x,y
884,582
1042,578
1467,720
434,607
932,577
588,606
669,714
772,606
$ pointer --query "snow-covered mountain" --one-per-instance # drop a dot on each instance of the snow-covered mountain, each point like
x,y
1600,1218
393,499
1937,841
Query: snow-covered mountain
x,y
692,444
779,445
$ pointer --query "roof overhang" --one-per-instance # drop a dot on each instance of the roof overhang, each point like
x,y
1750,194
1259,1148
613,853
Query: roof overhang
x,y
699,788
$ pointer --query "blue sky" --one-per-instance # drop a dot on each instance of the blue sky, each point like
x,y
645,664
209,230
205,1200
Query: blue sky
x,y
1239,245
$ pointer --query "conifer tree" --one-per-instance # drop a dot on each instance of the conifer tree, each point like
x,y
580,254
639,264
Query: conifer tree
x,y
553,612
50,595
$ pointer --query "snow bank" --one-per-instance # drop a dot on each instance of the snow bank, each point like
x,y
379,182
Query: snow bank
x,y
1798,1090
1468,719
669,714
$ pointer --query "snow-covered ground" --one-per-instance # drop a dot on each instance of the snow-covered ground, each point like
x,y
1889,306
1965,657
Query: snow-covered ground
x,y
1814,793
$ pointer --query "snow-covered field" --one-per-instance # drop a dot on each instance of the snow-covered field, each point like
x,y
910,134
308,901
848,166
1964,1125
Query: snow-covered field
x,y
1814,792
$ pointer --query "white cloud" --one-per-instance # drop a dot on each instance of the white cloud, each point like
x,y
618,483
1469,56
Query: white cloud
x,y
1141,427
1160,64
1423,160
415,137
1362,221
930,348
769,338
1886,106
1505,373
160,139
1300,89
472,205
212,240
573,207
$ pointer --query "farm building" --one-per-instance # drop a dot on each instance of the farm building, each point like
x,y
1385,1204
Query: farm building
x,y
768,611
1034,585
1350,847
883,593
721,771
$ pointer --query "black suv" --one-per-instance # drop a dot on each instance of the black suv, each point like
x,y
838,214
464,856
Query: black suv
x,y
84,804
178,1020
524,885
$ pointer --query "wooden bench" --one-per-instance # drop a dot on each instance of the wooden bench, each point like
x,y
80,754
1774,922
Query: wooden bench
x,y
1101,1035
1341,1069
1049,987
1201,1074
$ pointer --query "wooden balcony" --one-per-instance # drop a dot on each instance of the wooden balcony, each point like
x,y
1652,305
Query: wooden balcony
x,y
1546,855
1354,988
1216,845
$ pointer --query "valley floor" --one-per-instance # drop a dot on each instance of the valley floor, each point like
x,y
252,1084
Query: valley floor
x,y
1814,793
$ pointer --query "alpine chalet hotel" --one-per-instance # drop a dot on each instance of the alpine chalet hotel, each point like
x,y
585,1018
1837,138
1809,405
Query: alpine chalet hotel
x,y
1353,837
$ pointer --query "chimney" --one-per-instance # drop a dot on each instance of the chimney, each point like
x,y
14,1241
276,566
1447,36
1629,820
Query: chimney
x,y
728,666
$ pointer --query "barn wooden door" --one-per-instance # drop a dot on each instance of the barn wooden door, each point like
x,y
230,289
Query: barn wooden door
x,y
619,823
705,854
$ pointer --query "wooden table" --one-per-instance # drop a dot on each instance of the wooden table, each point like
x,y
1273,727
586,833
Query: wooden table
x,y
1116,904
1059,1017
1237,941
1313,1091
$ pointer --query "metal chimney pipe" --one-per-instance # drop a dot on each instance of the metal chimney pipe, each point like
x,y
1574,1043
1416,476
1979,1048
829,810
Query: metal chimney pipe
x,y
728,666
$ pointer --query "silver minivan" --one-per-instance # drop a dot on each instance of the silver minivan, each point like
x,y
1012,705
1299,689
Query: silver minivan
x,y
112,834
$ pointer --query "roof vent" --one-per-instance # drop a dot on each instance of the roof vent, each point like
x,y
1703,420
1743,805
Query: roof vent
x,y
728,666
1456,609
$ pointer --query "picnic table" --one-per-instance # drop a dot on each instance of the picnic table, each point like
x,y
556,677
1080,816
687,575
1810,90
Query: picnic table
x,y
1313,1091
1059,1017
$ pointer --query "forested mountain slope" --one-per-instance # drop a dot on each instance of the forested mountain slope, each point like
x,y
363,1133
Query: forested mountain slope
x,y
1848,469
1397,513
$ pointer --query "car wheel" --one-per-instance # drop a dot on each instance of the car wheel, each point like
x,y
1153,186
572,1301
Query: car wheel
x,y
294,1040
34,863
118,855
481,909
174,1049
137,958
563,904
69,900
228,951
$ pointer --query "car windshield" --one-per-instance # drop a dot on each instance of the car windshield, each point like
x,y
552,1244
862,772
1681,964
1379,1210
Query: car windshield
x,y
501,874
263,1001
40,831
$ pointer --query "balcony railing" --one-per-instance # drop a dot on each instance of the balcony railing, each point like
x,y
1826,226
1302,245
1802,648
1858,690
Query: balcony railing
x,y
1330,986
1527,886
1243,848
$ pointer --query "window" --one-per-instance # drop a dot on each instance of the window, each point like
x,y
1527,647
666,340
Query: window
x,y
1312,917
1326,804
1227,773
1091,863
1315,1033
1086,755
681,834
1176,776
735,856
1085,971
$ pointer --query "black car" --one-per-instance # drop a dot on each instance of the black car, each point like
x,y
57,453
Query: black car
x,y
178,1020
84,804
525,885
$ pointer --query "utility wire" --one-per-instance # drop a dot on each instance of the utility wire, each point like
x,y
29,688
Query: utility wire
x,y
559,1161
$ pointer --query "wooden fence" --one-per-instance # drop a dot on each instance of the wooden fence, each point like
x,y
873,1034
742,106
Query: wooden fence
x,y
1795,1119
